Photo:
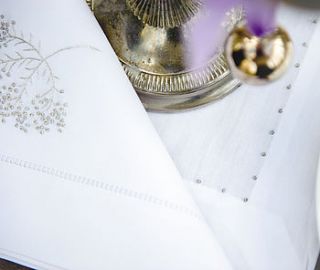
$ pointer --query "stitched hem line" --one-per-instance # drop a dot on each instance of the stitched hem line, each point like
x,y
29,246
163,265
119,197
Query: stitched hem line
x,y
115,189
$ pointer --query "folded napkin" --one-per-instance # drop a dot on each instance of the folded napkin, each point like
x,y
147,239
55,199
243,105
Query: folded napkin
x,y
85,182
252,160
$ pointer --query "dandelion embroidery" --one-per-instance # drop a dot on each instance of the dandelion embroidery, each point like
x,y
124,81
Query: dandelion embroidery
x,y
29,94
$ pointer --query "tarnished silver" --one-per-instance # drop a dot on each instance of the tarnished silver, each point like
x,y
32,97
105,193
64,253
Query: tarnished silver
x,y
149,38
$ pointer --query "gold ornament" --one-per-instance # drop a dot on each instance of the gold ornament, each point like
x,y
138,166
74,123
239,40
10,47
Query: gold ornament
x,y
258,60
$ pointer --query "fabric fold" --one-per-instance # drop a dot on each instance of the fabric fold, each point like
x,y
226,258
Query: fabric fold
x,y
85,182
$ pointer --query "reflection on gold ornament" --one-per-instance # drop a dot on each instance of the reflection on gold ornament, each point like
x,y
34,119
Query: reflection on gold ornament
x,y
258,60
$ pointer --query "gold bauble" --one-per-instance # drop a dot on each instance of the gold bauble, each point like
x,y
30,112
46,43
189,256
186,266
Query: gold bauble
x,y
258,60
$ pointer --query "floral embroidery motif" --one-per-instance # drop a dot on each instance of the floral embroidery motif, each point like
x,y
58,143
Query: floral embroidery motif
x,y
29,93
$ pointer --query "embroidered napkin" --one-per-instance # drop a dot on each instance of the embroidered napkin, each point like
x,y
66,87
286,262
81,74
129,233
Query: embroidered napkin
x,y
85,182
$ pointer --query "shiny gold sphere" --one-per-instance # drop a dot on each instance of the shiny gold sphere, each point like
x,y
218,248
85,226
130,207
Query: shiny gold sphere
x,y
258,60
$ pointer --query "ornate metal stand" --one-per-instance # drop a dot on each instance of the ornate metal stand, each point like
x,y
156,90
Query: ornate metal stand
x,y
149,39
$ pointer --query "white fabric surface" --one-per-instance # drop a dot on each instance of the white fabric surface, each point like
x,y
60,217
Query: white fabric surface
x,y
221,144
103,194
253,237
288,177
275,228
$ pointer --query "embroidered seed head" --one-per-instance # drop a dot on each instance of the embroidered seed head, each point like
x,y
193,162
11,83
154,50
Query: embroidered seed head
x,y
4,30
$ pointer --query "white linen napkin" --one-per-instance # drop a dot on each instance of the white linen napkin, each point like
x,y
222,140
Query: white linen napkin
x,y
225,144
253,237
288,177
85,182
260,207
